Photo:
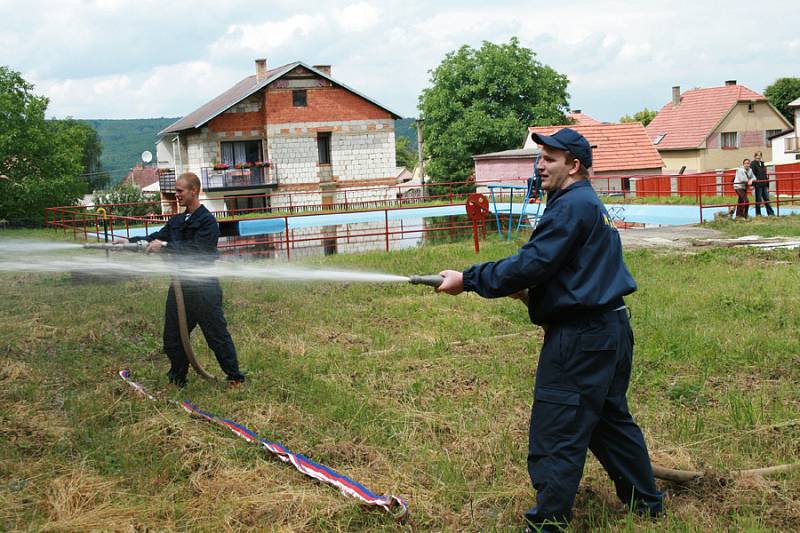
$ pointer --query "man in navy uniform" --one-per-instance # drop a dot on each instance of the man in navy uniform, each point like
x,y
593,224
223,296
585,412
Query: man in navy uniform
x,y
573,270
192,236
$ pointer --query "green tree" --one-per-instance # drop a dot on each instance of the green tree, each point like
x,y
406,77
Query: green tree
x,y
482,101
38,163
85,136
406,154
781,92
645,116
125,193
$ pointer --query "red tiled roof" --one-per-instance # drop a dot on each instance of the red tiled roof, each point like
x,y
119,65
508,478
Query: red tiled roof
x,y
617,147
699,112
142,177
582,119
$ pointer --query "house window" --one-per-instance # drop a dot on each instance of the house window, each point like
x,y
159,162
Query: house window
x,y
768,134
324,148
751,108
299,98
249,203
241,152
658,138
728,140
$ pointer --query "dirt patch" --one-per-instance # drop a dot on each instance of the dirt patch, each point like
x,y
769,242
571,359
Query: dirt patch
x,y
680,237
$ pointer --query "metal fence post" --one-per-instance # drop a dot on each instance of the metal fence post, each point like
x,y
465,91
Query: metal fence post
x,y
386,225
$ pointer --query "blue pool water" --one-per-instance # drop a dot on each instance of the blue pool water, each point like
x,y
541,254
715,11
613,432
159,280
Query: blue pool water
x,y
667,215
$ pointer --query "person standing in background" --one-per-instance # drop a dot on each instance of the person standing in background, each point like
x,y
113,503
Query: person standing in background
x,y
761,186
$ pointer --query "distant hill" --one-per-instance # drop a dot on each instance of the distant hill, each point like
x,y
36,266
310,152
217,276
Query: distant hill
x,y
124,140
405,127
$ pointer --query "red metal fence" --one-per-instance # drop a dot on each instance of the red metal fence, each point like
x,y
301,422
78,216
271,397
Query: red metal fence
x,y
85,222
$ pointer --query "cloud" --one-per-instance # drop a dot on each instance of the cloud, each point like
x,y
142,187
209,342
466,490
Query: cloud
x,y
358,17
262,38
138,58
167,90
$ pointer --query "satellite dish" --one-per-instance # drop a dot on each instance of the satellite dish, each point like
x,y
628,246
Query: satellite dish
x,y
147,156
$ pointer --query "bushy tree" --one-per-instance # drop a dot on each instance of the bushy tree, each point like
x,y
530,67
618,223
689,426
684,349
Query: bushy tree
x,y
645,116
85,136
38,162
483,101
125,193
782,92
406,154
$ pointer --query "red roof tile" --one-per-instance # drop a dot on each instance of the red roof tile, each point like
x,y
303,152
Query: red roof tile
x,y
700,110
617,147
582,119
141,176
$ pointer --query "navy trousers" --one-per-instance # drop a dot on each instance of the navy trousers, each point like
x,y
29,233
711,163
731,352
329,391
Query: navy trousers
x,y
579,404
203,302
762,198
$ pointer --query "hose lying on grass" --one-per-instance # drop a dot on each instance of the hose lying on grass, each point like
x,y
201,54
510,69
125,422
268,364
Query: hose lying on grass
x,y
685,476
397,507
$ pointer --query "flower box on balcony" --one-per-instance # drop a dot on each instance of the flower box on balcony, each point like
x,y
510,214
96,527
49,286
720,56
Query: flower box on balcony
x,y
221,166
243,166
262,164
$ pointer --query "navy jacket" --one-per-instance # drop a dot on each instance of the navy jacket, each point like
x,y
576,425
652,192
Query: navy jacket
x,y
572,264
760,171
197,236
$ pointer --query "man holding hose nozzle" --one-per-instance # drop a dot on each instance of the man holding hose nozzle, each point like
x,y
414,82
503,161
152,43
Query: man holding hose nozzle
x,y
193,235
573,269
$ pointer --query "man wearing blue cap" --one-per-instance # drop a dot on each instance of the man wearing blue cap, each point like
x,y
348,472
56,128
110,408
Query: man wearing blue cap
x,y
573,270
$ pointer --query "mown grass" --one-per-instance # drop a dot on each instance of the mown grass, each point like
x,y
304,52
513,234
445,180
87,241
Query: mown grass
x,y
411,393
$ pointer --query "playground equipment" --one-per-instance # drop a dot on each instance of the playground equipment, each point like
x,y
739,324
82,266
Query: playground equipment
x,y
533,191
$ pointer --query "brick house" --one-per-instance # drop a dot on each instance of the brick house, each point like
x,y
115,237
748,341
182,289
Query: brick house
x,y
293,128
711,128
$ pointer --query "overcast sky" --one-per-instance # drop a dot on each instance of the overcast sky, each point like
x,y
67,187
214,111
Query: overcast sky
x,y
143,58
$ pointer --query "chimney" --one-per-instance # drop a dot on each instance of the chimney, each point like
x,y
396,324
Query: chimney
x,y
730,82
676,96
324,68
261,70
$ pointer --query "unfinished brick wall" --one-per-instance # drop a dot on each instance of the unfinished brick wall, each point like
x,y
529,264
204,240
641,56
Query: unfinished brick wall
x,y
324,104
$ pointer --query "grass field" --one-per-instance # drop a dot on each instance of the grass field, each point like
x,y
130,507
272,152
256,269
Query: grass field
x,y
411,393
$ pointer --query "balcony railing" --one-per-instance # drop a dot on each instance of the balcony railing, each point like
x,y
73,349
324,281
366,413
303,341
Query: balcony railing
x,y
238,178
166,180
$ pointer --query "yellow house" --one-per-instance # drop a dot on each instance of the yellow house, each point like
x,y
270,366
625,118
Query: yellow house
x,y
710,128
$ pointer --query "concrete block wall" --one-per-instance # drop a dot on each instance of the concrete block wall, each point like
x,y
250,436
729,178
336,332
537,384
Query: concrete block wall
x,y
360,150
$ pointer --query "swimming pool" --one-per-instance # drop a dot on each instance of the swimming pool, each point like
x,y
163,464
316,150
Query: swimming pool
x,y
648,214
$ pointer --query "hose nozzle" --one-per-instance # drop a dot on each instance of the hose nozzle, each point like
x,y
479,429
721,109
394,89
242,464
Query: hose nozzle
x,y
433,280
129,247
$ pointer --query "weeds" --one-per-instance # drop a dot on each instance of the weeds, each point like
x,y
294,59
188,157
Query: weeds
x,y
408,392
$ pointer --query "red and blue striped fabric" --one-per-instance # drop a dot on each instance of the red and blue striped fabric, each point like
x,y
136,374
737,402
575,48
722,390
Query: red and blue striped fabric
x,y
392,504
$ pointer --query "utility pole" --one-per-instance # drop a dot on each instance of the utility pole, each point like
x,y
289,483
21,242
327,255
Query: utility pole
x,y
420,156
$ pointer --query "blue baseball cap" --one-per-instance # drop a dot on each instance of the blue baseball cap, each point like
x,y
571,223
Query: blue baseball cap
x,y
569,140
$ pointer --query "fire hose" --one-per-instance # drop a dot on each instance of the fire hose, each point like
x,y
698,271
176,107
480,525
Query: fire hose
x,y
393,505
183,324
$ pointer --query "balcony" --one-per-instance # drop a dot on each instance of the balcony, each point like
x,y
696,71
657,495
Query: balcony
x,y
166,179
238,178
